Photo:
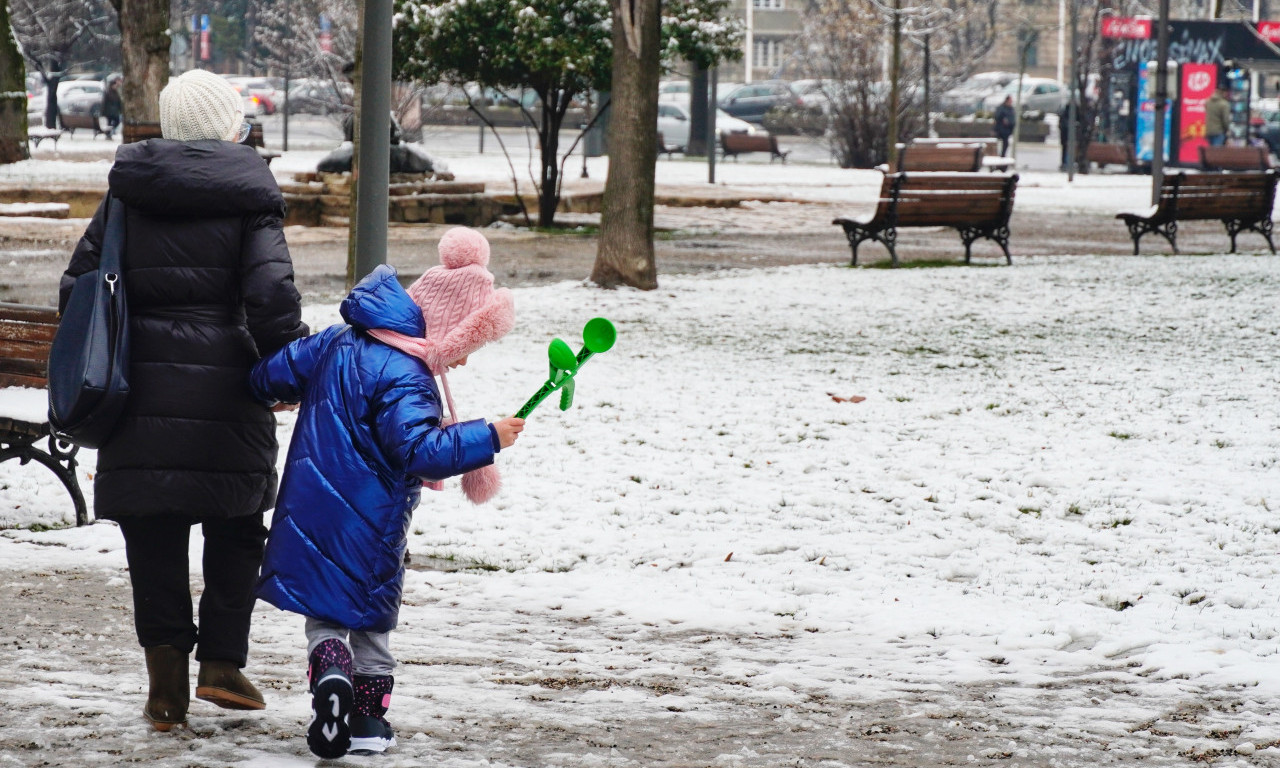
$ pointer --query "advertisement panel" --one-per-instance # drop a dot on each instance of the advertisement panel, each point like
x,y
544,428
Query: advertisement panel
x,y
1145,129
1120,28
1196,83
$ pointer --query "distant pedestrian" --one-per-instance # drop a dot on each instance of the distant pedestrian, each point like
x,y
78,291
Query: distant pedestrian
x,y
112,106
1217,117
1005,120
371,431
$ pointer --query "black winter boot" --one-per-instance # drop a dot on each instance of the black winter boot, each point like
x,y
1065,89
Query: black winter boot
x,y
169,691
371,734
329,669
222,683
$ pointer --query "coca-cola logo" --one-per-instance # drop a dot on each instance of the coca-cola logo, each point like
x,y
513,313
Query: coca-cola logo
x,y
1270,30
1199,81
1126,29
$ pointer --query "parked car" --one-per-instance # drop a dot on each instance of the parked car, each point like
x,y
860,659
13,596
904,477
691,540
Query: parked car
x,y
1039,94
673,124
751,102
1265,123
319,97
79,102
674,90
814,94
967,97
270,96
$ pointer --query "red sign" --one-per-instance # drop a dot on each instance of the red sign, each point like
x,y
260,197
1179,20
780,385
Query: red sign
x,y
1197,84
1126,28
1270,31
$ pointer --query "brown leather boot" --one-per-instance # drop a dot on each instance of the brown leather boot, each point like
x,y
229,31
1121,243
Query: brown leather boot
x,y
170,687
222,683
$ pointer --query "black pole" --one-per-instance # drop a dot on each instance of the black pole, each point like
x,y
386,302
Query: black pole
x,y
712,137
372,186
1162,99
288,64
1073,106
928,102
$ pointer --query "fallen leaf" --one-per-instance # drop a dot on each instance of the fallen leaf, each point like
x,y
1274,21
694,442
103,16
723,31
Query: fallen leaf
x,y
849,399
728,557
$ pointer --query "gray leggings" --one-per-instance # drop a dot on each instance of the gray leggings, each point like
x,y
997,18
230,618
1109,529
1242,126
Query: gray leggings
x,y
370,651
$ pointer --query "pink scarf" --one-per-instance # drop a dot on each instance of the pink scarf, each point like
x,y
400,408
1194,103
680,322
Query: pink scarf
x,y
479,485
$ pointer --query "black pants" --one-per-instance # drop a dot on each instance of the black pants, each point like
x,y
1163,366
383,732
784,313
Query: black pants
x,y
1004,145
156,548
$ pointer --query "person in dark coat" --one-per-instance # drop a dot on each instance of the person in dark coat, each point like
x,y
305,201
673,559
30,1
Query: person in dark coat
x,y
210,288
1005,121
371,430
112,106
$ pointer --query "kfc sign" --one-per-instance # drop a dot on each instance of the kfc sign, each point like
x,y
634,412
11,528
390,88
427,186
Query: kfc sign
x,y
1126,29
1270,31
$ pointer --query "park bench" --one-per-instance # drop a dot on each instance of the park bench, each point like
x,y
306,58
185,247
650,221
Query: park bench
x,y
974,204
957,158
1235,158
1103,154
37,134
1240,200
72,121
734,144
26,332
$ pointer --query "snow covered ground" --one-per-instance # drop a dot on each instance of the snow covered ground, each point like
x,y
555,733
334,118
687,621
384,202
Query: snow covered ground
x,y
1048,536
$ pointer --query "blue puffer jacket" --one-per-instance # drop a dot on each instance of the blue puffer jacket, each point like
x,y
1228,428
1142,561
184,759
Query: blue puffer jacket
x,y
367,434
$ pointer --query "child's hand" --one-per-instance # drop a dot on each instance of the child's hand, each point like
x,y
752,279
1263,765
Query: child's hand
x,y
508,429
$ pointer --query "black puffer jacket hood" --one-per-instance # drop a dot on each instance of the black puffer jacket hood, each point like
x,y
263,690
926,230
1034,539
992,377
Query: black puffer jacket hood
x,y
194,178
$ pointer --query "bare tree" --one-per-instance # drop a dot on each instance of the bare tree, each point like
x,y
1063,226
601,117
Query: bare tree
x,y
57,35
13,95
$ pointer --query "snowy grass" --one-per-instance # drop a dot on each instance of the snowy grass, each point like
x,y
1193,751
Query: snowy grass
x,y
1064,473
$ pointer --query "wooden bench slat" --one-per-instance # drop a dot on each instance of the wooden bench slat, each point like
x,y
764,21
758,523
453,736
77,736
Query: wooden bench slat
x,y
18,380
27,332
30,367
29,313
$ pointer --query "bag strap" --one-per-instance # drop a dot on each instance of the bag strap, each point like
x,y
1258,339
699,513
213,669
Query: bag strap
x,y
111,259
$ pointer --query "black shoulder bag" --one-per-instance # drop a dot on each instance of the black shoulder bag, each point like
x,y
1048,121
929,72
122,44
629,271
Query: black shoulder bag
x,y
89,358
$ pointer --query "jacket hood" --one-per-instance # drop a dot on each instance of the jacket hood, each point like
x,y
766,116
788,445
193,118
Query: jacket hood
x,y
379,301
194,178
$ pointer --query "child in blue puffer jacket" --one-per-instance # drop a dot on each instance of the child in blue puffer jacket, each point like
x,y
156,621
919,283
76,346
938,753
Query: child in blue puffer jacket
x,y
370,431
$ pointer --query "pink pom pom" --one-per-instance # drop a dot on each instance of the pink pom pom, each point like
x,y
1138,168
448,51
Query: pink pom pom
x,y
461,247
482,484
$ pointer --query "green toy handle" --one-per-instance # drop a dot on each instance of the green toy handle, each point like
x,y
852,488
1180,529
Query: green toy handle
x,y
598,335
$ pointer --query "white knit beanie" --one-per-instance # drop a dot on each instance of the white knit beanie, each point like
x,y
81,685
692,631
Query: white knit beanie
x,y
200,105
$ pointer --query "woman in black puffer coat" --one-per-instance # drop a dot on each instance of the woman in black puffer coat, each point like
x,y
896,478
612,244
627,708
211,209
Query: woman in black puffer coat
x,y
210,289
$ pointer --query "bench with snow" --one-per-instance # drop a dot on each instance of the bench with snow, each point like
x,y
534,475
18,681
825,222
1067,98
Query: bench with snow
x,y
258,142
26,332
734,144
974,204
1235,158
1103,154
39,210
1240,200
37,134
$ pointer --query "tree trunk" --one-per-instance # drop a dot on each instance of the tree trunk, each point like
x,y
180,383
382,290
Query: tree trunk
x,y
625,255
13,95
144,27
549,138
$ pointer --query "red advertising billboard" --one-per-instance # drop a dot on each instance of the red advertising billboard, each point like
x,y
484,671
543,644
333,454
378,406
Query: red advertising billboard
x,y
1196,85
1270,31
1119,27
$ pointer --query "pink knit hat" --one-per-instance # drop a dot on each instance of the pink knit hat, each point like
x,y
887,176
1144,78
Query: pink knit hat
x,y
462,309
463,312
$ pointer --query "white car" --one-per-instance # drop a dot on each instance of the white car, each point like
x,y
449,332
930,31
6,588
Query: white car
x,y
966,98
673,124
1038,94
674,90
